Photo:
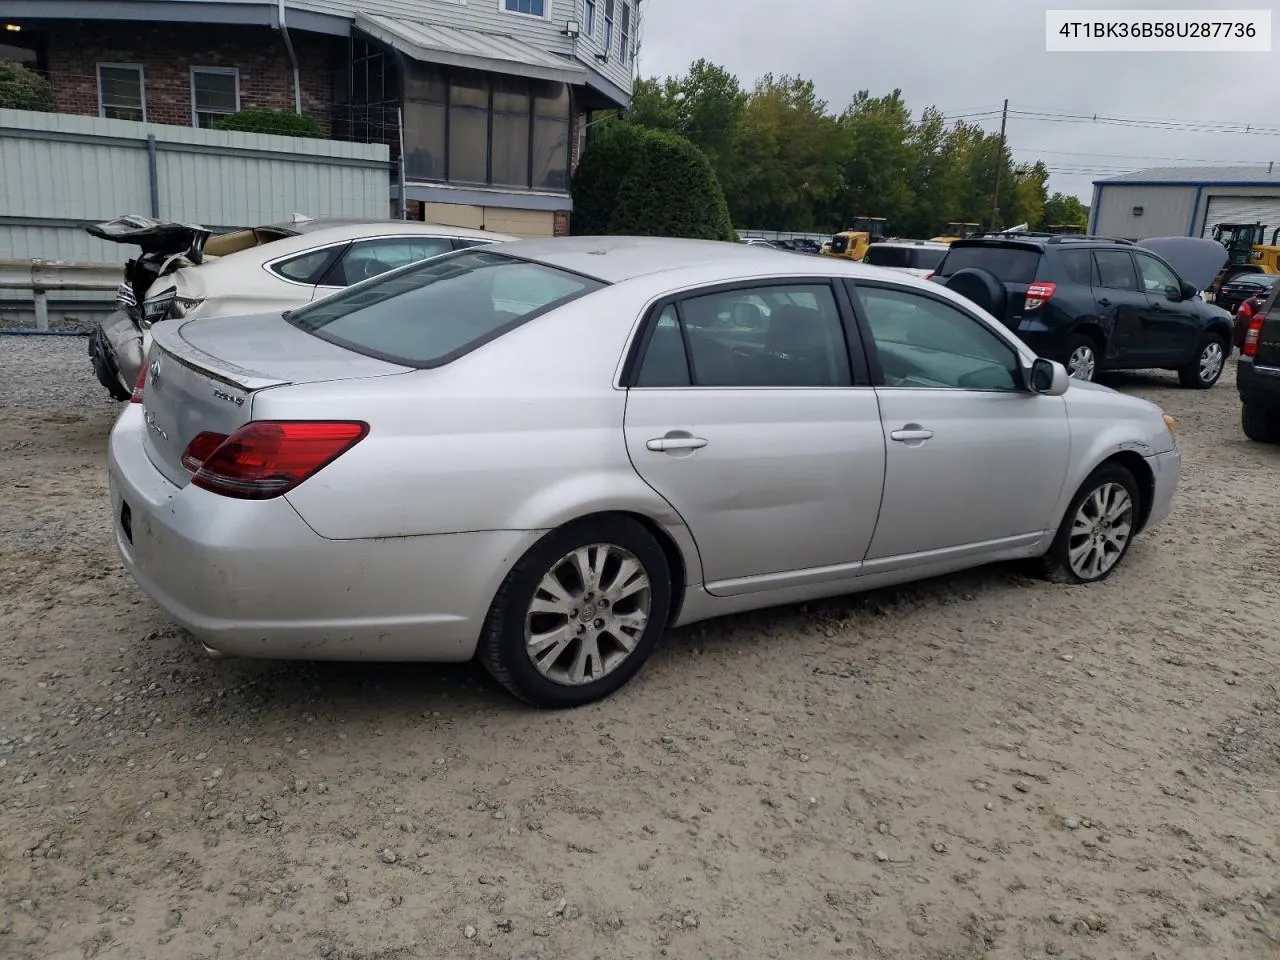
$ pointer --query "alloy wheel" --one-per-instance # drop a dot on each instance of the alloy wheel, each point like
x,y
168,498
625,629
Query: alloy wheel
x,y
1212,357
588,613
1083,363
1100,531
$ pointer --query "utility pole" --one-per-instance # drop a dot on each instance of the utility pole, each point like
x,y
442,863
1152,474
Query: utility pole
x,y
995,201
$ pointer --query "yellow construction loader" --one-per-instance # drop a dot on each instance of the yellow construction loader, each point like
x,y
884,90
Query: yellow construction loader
x,y
957,230
851,243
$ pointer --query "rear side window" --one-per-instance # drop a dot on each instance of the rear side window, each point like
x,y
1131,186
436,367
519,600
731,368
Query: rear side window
x,y
916,258
428,313
1009,264
306,267
1077,266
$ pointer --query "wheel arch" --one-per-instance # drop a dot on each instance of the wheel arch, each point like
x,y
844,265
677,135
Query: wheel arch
x,y
1140,470
1095,331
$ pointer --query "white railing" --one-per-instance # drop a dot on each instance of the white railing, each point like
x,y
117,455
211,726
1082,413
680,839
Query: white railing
x,y
42,276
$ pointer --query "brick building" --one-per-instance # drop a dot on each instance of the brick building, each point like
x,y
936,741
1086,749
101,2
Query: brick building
x,y
489,97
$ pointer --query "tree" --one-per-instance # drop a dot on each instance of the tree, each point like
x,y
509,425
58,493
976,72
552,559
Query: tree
x,y
1063,208
23,89
671,191
284,123
601,170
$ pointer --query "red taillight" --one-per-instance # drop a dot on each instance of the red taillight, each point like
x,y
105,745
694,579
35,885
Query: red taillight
x,y
201,449
267,458
139,385
1038,293
1244,311
1251,336
928,276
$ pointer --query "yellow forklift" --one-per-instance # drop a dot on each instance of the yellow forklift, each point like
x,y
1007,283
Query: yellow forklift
x,y
1247,249
851,243
957,230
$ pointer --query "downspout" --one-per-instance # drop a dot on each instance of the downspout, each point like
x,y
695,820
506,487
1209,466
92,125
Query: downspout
x,y
1195,211
293,59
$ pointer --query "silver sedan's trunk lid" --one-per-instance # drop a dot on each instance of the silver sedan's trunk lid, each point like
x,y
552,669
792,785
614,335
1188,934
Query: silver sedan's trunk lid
x,y
202,376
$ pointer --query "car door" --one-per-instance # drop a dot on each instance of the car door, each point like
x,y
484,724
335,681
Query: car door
x,y
1170,324
975,463
749,414
1121,305
365,259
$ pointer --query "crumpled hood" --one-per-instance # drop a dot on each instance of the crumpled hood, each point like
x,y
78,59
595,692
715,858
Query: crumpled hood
x,y
1197,260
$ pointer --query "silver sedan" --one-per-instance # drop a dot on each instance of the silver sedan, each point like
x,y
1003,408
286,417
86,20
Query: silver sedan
x,y
544,455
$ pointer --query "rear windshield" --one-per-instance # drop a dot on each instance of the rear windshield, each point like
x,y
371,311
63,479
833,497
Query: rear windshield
x,y
1009,264
918,258
431,312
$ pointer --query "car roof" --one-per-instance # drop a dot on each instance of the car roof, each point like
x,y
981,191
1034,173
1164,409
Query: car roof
x,y
614,259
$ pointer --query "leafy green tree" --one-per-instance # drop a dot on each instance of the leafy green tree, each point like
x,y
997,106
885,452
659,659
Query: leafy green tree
x,y
671,191
23,89
1063,208
601,170
284,123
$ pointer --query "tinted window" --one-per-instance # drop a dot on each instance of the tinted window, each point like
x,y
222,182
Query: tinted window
x,y
774,336
369,258
304,268
1115,270
919,258
1156,277
422,314
1077,266
923,342
1009,264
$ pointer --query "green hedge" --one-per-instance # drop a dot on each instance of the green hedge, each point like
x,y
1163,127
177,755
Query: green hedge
x,y
670,190
23,89
284,123
601,170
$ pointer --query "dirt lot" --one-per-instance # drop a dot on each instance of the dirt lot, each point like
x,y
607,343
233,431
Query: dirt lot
x,y
983,766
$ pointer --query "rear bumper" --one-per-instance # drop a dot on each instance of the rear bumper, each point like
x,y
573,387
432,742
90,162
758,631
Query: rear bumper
x,y
1165,469
252,579
1258,386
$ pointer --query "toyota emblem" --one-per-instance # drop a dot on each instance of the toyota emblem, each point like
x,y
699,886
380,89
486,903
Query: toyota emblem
x,y
153,373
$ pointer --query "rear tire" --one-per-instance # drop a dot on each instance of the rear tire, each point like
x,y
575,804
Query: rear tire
x,y
1097,529
579,614
1206,367
1260,424
1082,358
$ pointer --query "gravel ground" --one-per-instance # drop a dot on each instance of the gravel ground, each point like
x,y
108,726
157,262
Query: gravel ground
x,y
981,766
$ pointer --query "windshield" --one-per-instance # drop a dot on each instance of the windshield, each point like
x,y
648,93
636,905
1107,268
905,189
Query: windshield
x,y
429,313
917,258
1009,264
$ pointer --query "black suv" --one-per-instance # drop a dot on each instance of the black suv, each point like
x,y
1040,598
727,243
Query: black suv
x,y
1092,303
1258,373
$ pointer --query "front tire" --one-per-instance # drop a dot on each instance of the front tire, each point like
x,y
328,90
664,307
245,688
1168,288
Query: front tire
x,y
1260,424
1082,358
579,613
1206,366
1097,529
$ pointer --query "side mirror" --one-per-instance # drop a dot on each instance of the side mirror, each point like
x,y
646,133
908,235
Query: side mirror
x,y
1188,290
1048,378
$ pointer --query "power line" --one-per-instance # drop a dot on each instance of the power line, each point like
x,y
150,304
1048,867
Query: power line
x,y
1133,156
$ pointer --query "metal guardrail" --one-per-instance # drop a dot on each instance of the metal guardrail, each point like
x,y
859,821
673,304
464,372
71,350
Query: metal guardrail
x,y
43,276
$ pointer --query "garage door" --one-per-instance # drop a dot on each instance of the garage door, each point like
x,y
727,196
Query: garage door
x,y
520,223
456,215
1242,210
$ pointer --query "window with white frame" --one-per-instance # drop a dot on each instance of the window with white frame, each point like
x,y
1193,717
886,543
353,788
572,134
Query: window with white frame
x,y
589,20
121,92
608,26
215,93
533,8
624,52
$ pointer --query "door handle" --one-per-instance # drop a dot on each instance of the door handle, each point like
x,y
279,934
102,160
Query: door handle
x,y
675,441
911,433
1104,302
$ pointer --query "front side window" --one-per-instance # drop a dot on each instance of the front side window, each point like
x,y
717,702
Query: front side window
x,y
431,312
785,335
121,92
924,342
1156,277
215,93
534,8
1115,270
371,258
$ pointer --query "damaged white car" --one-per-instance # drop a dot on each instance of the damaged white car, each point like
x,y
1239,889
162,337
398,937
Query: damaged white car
x,y
185,270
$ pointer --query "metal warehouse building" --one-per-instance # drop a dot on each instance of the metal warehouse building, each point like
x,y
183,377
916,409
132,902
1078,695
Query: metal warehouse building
x,y
1184,201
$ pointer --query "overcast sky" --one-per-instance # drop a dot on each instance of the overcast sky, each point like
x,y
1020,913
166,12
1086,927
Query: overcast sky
x,y
964,56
